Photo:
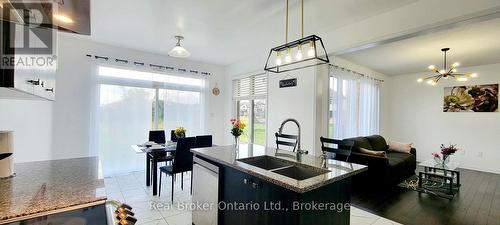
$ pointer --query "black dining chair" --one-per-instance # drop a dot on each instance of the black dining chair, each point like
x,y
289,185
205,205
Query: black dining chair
x,y
173,137
158,137
286,140
183,162
338,149
204,141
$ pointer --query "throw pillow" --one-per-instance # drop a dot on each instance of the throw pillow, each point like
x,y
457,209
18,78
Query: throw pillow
x,y
400,147
371,152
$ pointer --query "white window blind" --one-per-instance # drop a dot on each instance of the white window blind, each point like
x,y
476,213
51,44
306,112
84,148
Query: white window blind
x,y
251,87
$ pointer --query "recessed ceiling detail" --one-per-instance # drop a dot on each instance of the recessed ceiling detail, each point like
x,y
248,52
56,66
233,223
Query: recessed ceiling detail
x,y
225,31
472,45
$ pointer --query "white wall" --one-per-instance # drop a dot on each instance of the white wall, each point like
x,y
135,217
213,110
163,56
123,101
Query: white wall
x,y
307,102
293,102
61,129
416,115
32,125
72,105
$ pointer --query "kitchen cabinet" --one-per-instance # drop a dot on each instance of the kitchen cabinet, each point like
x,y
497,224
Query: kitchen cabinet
x,y
64,15
236,190
259,199
76,10
33,71
239,187
259,185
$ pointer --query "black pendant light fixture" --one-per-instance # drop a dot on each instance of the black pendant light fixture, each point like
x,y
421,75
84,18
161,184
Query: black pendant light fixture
x,y
304,52
446,72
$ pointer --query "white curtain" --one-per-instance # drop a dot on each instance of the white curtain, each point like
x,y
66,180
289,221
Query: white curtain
x,y
183,109
124,100
354,104
125,117
369,106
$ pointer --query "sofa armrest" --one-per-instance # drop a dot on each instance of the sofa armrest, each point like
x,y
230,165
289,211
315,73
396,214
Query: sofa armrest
x,y
413,151
369,160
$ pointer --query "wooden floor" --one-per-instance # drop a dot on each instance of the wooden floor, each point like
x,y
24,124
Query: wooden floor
x,y
478,202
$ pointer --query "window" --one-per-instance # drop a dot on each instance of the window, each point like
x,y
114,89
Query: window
x,y
131,103
250,95
353,105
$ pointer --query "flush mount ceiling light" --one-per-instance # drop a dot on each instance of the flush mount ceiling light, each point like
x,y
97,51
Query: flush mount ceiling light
x,y
446,72
178,51
306,51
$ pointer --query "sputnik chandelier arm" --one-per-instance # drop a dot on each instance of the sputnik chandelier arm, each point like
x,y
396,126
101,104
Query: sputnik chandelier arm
x,y
446,72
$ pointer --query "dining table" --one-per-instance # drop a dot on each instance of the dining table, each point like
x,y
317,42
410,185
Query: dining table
x,y
153,153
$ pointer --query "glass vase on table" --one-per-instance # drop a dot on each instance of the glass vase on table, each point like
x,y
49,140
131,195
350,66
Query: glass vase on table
x,y
236,142
446,160
443,162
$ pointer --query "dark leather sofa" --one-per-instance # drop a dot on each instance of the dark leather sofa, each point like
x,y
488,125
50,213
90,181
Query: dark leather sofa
x,y
381,171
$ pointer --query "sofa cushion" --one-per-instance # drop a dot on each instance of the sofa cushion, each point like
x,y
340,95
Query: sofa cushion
x,y
377,142
360,142
400,147
401,161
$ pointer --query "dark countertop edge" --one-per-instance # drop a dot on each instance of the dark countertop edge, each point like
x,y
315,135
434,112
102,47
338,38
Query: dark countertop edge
x,y
277,182
48,160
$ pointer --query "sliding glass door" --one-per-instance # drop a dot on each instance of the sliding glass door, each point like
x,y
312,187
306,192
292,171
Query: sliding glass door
x,y
182,108
131,103
124,119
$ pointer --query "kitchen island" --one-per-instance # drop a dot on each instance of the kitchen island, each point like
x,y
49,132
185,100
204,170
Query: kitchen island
x,y
45,187
259,185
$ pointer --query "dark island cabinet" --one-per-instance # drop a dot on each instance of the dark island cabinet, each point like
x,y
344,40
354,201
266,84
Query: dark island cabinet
x,y
246,199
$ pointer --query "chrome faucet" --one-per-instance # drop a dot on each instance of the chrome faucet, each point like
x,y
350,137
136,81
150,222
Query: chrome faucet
x,y
280,131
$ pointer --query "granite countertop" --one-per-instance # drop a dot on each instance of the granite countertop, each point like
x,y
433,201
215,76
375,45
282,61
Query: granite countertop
x,y
229,155
50,185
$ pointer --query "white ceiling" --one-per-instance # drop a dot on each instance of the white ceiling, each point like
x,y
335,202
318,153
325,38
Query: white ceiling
x,y
221,31
471,45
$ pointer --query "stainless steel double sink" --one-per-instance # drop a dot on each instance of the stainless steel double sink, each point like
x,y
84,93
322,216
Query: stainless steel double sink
x,y
283,167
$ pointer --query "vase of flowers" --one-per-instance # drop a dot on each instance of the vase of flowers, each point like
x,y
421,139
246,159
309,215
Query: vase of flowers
x,y
237,127
446,152
180,132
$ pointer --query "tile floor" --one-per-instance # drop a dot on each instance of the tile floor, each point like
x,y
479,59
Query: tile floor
x,y
131,188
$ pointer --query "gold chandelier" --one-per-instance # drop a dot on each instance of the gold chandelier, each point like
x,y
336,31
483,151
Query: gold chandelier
x,y
446,73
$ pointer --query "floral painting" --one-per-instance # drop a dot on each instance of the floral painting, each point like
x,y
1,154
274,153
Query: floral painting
x,y
479,98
